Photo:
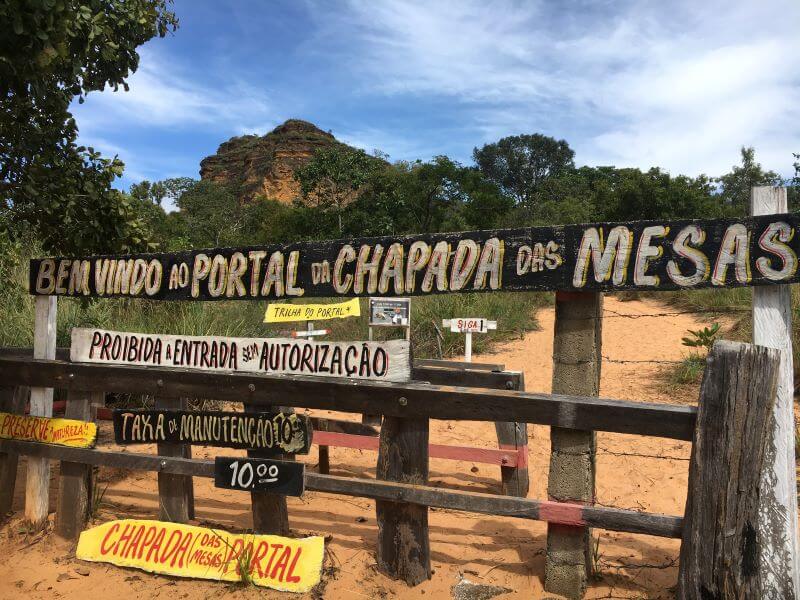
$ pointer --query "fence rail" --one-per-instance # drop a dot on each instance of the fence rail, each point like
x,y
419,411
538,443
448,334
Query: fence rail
x,y
389,399
615,519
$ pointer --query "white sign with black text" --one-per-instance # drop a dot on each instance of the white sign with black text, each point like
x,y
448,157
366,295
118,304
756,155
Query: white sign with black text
x,y
379,361
469,326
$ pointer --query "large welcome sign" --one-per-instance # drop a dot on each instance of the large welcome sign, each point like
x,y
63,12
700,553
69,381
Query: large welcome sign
x,y
654,255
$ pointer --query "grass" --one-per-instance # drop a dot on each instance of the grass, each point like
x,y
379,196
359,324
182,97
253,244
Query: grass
x,y
98,493
689,371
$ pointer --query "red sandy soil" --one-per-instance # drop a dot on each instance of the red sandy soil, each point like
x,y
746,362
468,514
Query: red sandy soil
x,y
505,552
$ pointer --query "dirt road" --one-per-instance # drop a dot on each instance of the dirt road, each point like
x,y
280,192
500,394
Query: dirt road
x,y
499,551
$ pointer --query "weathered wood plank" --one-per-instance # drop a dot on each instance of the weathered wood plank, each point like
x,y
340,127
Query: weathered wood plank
x,y
496,380
720,550
613,519
37,484
457,364
422,400
772,327
403,542
175,492
75,479
270,511
514,436
12,400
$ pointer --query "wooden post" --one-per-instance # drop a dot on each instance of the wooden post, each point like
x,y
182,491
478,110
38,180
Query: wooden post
x,y
722,533
514,436
75,481
324,452
12,400
37,486
772,327
403,541
175,492
576,371
270,512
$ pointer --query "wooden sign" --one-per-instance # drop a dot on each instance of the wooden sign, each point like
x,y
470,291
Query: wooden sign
x,y
61,432
276,433
379,361
282,313
390,313
645,255
286,564
283,477
469,325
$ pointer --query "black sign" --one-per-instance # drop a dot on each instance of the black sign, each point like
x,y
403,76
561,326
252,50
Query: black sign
x,y
274,433
283,477
646,255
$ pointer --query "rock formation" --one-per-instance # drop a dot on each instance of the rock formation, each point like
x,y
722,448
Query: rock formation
x,y
264,165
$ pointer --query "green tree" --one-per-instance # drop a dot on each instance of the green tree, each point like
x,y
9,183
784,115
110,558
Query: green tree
x,y
333,176
520,164
734,187
421,197
50,52
213,215
156,191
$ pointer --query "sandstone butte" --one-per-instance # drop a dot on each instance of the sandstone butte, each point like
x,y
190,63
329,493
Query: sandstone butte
x,y
264,165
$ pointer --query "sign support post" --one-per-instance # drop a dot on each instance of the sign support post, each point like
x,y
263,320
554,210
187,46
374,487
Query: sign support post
x,y
772,327
468,327
37,487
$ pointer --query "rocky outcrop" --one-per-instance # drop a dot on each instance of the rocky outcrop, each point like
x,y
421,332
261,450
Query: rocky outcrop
x,y
264,165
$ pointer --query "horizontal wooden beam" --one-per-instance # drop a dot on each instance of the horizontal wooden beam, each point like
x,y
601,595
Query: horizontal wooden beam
x,y
458,364
391,399
439,372
614,519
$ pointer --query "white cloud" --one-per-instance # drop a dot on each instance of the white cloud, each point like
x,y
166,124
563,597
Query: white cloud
x,y
676,84
162,94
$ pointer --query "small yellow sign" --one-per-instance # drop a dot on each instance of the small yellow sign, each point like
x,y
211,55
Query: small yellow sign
x,y
62,432
289,565
282,313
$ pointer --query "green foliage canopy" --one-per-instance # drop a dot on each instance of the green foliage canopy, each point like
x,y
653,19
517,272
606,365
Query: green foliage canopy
x,y
50,52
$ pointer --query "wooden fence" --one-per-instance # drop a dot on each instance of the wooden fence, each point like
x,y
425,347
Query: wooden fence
x,y
739,531
730,387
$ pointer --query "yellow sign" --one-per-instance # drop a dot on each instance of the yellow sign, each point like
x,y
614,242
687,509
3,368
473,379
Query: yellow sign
x,y
282,313
63,432
289,565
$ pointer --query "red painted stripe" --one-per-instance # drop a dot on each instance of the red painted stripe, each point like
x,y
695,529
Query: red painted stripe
x,y
520,451
492,456
561,513
345,440
506,456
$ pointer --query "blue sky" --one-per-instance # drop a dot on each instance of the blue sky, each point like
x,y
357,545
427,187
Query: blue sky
x,y
681,85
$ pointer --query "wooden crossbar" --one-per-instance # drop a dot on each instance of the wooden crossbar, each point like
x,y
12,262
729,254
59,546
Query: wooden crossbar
x,y
390,399
614,519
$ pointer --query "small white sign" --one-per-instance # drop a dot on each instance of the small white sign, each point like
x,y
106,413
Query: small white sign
x,y
390,312
470,325
379,361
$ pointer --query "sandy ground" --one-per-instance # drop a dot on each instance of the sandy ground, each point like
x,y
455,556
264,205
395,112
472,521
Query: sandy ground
x,y
632,472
